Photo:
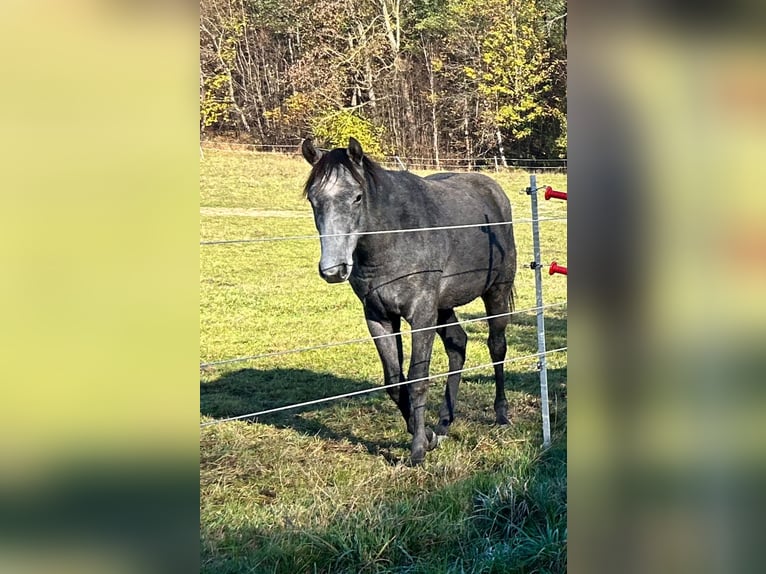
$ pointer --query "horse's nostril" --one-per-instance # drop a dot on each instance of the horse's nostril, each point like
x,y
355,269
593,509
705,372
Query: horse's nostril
x,y
336,273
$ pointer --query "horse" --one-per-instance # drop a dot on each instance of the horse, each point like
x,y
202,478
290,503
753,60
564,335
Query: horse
x,y
418,276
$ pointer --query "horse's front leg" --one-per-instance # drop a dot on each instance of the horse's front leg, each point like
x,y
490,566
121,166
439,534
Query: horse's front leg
x,y
420,360
389,347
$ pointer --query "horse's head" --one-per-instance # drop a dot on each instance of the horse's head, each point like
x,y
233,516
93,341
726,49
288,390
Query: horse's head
x,y
336,190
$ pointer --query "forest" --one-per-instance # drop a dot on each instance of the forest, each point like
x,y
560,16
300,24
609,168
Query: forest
x,y
430,79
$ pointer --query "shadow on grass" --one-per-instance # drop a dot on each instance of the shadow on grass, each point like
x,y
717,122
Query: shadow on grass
x,y
252,390
525,380
360,419
501,519
523,389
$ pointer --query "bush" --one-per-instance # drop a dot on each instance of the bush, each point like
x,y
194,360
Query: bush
x,y
334,128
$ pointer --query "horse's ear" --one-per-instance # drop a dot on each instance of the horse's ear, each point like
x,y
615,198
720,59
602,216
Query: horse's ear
x,y
355,151
310,153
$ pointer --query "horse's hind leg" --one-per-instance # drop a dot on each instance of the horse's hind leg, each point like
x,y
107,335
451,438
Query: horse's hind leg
x,y
497,302
389,347
455,340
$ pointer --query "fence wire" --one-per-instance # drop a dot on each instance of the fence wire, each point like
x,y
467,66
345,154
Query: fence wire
x,y
486,162
380,232
367,339
374,389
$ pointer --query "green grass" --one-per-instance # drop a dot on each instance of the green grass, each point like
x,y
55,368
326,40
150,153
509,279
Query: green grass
x,y
328,488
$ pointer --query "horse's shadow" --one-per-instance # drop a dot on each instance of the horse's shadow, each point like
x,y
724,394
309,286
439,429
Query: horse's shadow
x,y
252,390
361,422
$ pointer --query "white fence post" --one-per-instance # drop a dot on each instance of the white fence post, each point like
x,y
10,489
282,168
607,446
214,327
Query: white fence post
x,y
542,364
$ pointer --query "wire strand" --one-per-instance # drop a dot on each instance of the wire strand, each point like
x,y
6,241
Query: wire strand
x,y
372,390
489,160
380,232
366,339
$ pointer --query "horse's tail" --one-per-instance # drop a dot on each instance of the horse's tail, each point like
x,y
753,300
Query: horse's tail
x,y
514,267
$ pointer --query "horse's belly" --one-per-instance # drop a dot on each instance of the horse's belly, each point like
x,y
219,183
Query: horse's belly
x,y
462,287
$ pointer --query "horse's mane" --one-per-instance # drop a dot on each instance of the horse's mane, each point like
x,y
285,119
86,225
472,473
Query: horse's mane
x,y
368,177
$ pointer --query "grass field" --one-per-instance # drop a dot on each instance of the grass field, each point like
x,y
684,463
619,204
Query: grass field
x,y
328,488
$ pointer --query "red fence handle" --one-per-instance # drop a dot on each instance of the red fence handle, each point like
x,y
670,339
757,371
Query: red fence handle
x,y
550,192
556,268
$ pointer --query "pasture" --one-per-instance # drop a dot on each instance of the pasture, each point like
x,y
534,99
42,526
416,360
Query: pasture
x,y
328,488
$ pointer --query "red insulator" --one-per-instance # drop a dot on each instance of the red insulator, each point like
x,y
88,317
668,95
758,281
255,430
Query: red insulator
x,y
556,268
549,192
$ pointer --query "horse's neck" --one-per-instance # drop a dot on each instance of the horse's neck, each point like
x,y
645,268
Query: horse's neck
x,y
389,205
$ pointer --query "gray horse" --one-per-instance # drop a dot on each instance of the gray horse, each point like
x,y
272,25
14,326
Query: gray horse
x,y
420,276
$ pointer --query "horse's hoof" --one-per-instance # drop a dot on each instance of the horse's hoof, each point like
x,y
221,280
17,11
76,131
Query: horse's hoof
x,y
432,438
422,444
502,419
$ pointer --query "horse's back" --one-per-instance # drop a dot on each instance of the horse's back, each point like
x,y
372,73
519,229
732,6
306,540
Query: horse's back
x,y
479,257
466,193
470,198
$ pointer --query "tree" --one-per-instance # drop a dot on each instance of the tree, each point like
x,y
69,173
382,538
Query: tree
x,y
429,78
515,76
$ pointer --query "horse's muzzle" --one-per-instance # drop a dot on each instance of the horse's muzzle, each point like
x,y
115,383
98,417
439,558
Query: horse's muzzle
x,y
336,274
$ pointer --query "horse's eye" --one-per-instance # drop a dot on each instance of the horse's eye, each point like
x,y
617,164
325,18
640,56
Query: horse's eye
x,y
358,198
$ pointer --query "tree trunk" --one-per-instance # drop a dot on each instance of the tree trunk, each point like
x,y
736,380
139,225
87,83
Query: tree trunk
x,y
467,135
500,146
434,122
